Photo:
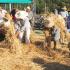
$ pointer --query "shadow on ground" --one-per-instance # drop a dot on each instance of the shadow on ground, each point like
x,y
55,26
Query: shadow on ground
x,y
50,66
39,44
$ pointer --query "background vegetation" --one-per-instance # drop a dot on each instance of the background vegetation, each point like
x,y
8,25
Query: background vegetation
x,y
42,5
51,5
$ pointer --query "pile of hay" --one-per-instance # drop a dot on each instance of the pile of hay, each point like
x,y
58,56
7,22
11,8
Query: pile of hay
x,y
52,19
57,20
9,39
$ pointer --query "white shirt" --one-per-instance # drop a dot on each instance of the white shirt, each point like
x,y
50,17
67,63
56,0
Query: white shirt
x,y
24,16
27,25
2,14
21,14
30,15
64,14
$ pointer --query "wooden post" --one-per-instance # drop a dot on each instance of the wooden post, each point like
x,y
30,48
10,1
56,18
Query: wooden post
x,y
5,6
34,7
45,8
10,6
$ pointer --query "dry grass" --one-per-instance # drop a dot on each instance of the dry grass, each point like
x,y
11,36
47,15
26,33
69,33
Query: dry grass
x,y
24,57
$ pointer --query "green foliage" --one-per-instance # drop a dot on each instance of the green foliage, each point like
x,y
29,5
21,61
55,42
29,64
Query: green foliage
x,y
51,4
40,5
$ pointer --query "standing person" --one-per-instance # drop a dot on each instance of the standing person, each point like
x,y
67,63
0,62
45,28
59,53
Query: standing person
x,y
2,14
68,23
25,27
56,12
13,12
4,17
30,15
64,13
55,36
19,20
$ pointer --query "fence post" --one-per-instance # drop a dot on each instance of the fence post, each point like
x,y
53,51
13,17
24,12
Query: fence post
x,y
10,6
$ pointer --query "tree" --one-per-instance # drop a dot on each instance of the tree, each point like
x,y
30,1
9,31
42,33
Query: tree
x,y
40,5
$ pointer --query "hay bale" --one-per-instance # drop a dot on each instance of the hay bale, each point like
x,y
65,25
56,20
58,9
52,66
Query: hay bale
x,y
55,20
58,21
10,40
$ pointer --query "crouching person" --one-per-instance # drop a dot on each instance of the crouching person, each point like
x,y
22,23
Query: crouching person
x,y
55,36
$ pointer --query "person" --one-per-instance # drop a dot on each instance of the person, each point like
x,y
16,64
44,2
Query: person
x,y
68,23
30,15
2,14
19,19
25,27
5,17
64,14
56,12
12,13
55,36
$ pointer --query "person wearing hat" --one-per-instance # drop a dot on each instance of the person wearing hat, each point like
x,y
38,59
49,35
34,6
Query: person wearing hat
x,y
30,15
64,12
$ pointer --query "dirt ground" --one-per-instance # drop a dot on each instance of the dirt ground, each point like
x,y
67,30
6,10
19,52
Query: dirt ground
x,y
34,57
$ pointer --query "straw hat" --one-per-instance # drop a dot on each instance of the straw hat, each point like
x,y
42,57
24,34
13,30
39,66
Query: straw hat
x,y
64,8
28,8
